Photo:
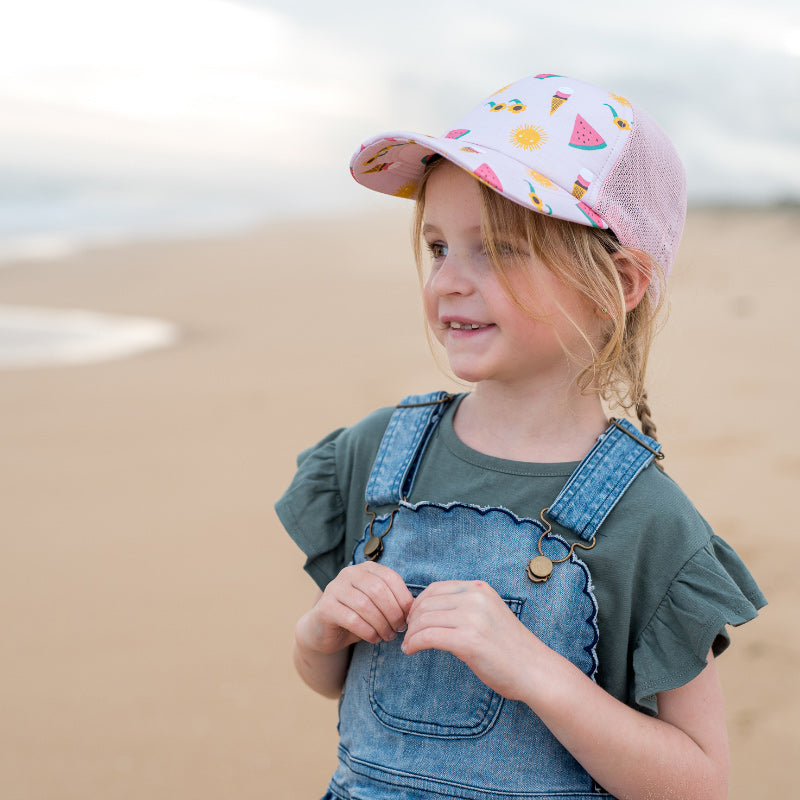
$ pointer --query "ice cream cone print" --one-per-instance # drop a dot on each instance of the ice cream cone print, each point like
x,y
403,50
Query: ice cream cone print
x,y
559,98
582,183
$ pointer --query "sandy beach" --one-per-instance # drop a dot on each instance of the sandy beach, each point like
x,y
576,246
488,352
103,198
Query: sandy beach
x,y
148,591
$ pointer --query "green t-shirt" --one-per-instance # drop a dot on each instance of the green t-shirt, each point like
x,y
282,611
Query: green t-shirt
x,y
665,584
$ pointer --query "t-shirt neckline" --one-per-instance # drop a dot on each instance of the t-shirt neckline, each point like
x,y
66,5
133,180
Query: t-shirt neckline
x,y
450,440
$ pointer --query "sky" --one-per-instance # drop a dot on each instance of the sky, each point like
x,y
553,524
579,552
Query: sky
x,y
251,104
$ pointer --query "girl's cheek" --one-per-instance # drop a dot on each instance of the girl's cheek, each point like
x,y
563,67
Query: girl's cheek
x,y
430,306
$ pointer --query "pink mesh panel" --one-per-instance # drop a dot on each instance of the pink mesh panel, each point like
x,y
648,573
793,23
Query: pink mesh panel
x,y
643,198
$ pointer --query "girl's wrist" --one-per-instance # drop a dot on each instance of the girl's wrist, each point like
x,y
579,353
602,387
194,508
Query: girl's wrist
x,y
315,638
303,639
544,677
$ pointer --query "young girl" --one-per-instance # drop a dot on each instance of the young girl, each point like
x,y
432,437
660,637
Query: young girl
x,y
518,601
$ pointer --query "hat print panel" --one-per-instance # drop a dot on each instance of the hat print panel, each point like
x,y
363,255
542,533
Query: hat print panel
x,y
545,142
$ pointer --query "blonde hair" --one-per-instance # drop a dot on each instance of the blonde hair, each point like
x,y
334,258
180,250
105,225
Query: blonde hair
x,y
583,258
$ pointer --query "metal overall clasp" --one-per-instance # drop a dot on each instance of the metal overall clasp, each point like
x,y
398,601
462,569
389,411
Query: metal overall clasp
x,y
540,567
373,549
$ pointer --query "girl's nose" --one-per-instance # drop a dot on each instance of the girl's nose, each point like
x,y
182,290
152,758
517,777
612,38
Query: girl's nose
x,y
451,276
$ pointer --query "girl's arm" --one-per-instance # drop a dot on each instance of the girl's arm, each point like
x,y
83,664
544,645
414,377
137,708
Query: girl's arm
x,y
682,753
367,601
323,672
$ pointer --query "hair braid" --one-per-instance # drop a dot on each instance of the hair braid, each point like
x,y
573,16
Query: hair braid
x,y
643,413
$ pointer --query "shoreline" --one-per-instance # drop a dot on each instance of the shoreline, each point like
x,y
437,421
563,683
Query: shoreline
x,y
153,591
36,338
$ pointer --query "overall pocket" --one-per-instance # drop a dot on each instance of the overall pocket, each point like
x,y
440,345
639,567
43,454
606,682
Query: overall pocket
x,y
431,693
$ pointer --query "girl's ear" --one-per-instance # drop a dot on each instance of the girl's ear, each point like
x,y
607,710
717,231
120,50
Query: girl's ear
x,y
635,273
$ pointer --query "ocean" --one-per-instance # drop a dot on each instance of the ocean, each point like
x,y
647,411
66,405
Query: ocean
x,y
170,118
40,220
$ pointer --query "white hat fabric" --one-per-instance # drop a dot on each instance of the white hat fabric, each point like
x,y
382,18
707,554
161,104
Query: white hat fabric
x,y
559,146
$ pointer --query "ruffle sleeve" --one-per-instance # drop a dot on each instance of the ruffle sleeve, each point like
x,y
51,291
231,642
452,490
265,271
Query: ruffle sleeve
x,y
313,512
712,590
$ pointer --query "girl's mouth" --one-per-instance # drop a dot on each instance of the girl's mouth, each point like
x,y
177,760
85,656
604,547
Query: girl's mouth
x,y
465,326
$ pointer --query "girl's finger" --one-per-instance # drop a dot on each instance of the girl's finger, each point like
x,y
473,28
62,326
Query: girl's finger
x,y
451,587
376,602
445,593
434,618
355,623
432,638
370,594
395,583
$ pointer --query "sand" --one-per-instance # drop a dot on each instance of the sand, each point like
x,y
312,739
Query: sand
x,y
148,592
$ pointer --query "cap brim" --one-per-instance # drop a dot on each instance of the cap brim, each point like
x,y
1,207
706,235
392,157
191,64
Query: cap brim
x,y
394,163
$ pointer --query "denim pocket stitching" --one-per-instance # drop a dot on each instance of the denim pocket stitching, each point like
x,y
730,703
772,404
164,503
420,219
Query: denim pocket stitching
x,y
485,709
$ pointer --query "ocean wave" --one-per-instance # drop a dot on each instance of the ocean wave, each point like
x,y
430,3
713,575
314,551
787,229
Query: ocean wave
x,y
40,337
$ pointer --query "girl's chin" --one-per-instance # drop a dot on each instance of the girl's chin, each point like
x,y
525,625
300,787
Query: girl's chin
x,y
470,373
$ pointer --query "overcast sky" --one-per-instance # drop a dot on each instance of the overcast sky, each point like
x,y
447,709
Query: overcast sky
x,y
269,99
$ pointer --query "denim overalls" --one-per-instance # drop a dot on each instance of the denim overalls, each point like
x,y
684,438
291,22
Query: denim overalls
x,y
424,726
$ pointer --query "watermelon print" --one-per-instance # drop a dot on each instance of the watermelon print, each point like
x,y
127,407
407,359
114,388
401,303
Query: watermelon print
x,y
485,173
585,137
457,134
592,216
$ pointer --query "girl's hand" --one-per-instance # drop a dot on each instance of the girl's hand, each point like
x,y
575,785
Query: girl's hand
x,y
471,621
365,601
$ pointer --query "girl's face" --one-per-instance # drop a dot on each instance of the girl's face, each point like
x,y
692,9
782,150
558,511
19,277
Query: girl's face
x,y
486,334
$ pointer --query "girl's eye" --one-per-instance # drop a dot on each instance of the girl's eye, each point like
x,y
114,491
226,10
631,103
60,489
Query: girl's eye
x,y
438,250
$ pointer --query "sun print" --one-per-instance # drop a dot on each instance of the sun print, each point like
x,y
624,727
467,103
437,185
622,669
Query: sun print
x,y
541,179
528,137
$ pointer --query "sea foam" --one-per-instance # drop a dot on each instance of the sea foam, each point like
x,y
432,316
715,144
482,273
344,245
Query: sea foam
x,y
40,337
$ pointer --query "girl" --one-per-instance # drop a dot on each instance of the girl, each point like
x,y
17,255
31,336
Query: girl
x,y
518,601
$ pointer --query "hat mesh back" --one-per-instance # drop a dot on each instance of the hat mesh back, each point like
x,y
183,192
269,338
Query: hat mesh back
x,y
643,198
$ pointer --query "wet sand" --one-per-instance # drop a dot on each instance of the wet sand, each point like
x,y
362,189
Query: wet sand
x,y
148,590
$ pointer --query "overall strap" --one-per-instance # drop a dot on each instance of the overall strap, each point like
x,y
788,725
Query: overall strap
x,y
603,476
408,432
